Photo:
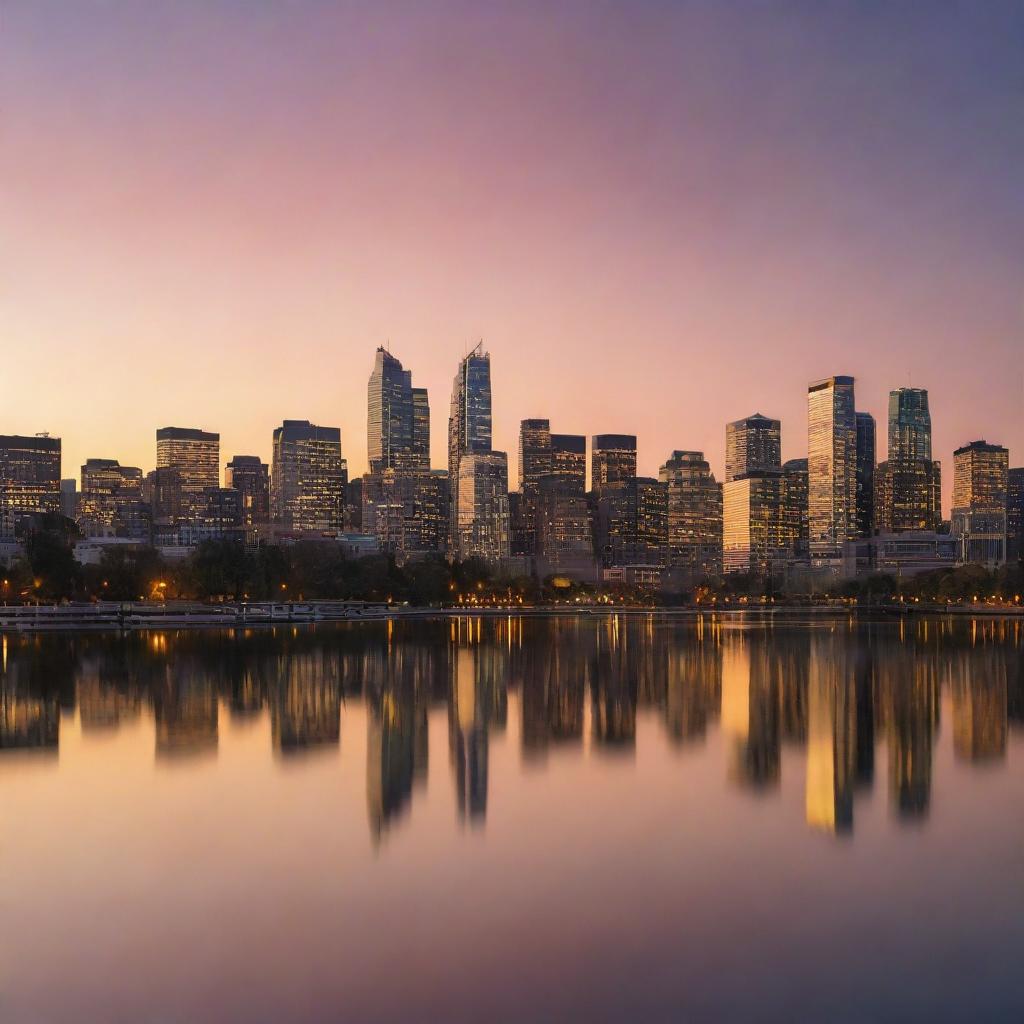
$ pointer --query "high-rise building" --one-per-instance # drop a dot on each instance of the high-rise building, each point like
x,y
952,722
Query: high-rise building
x,y
795,474
308,477
612,459
1015,514
630,522
564,542
196,456
481,520
69,497
111,498
755,538
29,476
865,473
694,514
542,454
908,483
980,472
831,466
250,476
164,494
569,460
406,511
477,475
398,418
222,516
752,445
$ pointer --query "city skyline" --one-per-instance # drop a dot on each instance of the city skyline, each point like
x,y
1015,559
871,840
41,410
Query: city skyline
x,y
759,193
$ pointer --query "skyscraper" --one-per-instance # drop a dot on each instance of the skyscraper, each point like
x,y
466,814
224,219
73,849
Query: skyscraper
x,y
795,473
908,483
569,460
751,445
196,456
478,476
29,476
398,418
694,514
543,454
980,477
250,476
630,519
111,498
831,465
612,459
1015,514
308,478
755,538
865,513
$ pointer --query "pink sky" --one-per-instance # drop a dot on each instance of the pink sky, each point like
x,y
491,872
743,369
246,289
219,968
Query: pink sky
x,y
658,218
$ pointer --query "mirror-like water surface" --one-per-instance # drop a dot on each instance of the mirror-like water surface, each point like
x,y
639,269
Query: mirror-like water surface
x,y
515,819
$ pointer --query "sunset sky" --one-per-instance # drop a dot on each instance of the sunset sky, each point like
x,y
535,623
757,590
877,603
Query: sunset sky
x,y
658,216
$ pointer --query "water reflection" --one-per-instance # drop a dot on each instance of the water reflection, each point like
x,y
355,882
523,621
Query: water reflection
x,y
835,690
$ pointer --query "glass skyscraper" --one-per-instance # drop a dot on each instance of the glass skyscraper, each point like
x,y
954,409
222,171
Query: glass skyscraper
x,y
398,418
908,486
250,476
29,476
831,466
612,459
752,444
694,514
865,474
478,476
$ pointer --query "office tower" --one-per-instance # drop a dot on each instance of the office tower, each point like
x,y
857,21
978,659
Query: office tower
x,y
477,476
406,511
831,465
694,514
795,474
29,477
630,518
752,445
569,460
111,499
308,476
865,474
564,541
534,465
480,515
222,516
196,455
908,483
980,472
164,493
69,498
612,459
469,424
354,506
398,418
250,476
1015,514
755,538
543,454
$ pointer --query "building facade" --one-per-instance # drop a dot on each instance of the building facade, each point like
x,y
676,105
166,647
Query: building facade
x,y
398,418
908,485
980,479
794,471
831,466
111,499
308,477
865,474
29,477
752,445
694,515
755,536
612,459
195,454
1015,514
250,476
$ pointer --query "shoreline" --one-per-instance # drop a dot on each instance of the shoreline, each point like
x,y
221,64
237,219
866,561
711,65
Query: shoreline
x,y
141,616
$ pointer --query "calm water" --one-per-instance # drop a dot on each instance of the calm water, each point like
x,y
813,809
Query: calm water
x,y
490,820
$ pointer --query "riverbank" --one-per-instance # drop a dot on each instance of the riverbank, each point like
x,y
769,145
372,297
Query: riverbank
x,y
142,615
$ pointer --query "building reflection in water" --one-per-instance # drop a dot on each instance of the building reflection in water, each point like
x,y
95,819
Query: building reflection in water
x,y
829,691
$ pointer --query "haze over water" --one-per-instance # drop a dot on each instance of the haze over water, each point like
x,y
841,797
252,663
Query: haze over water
x,y
514,819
